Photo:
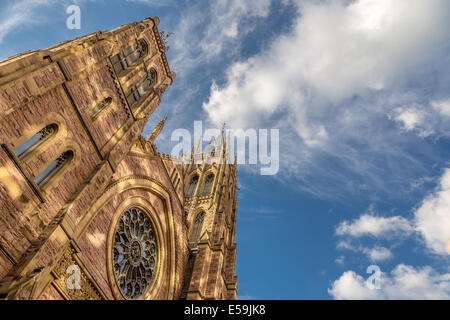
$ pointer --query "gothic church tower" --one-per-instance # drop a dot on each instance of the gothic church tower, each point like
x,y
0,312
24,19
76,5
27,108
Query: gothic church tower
x,y
210,211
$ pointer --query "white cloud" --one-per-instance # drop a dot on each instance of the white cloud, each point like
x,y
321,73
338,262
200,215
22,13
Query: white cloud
x,y
431,223
432,218
376,226
334,51
375,254
378,254
442,106
351,286
409,117
404,282
329,83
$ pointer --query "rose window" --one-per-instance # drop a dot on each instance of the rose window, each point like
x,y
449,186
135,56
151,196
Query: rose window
x,y
135,253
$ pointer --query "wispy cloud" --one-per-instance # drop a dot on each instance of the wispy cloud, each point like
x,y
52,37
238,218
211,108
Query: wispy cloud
x,y
245,297
155,3
374,254
21,14
209,29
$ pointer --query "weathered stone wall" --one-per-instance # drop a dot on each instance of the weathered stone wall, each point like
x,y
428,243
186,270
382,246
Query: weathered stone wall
x,y
51,293
23,216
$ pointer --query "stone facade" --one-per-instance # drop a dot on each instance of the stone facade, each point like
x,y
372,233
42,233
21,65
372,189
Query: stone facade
x,y
72,161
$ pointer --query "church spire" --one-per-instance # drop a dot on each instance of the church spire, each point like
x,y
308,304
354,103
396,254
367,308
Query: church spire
x,y
157,130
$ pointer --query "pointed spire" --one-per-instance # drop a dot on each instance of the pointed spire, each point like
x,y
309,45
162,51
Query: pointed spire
x,y
223,129
197,150
157,130
226,149
192,154
197,146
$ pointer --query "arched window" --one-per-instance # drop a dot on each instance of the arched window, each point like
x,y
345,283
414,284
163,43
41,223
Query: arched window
x,y
99,107
197,227
208,185
36,140
130,56
140,89
53,168
191,187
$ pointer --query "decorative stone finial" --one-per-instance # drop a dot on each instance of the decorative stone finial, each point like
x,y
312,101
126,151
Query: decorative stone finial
x,y
157,130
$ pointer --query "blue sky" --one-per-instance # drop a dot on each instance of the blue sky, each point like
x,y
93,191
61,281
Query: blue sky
x,y
360,91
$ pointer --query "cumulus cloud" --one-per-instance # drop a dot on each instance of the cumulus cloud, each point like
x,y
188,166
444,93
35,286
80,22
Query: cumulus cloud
x,y
404,282
432,217
371,225
431,224
351,286
334,52
330,84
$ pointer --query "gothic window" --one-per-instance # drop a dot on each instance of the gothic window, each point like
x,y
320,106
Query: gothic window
x,y
135,253
36,140
130,56
99,107
197,227
53,168
140,89
208,185
192,186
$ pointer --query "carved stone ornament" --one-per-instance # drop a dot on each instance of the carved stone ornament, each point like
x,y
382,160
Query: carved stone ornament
x,y
72,281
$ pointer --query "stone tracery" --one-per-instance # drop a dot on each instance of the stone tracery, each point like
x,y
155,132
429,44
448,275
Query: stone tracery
x,y
135,253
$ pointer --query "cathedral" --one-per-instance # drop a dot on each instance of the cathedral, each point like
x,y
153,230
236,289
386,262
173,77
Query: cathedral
x,y
89,209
